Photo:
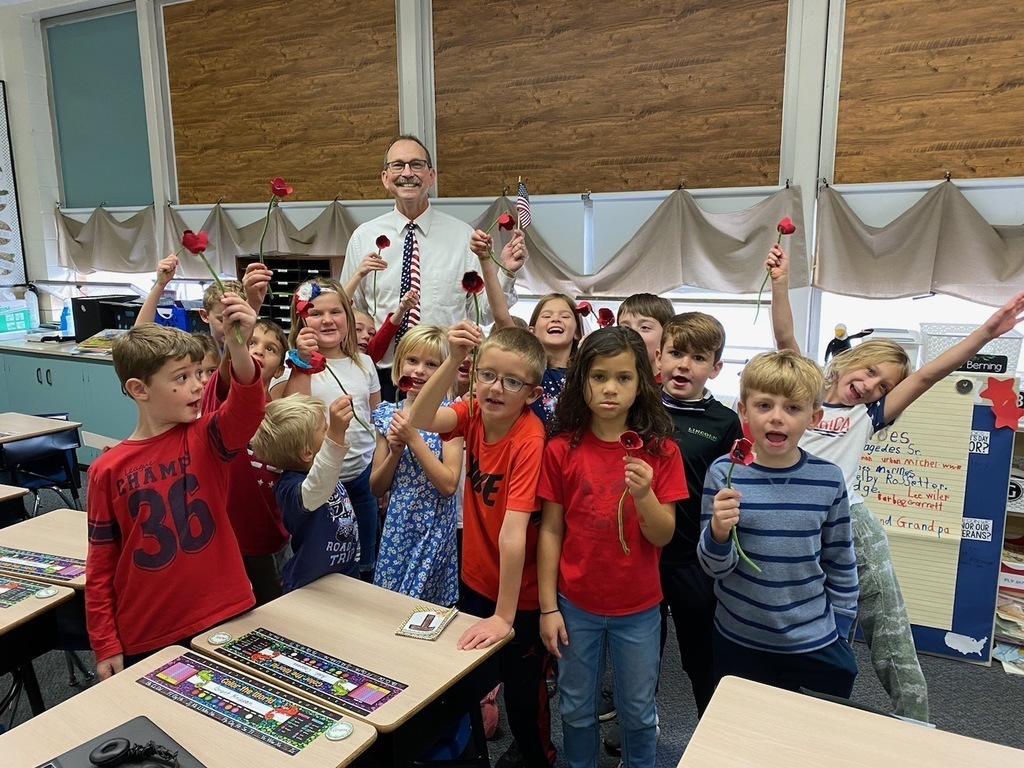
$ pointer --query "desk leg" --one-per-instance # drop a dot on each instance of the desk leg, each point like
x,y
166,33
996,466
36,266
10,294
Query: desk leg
x,y
35,697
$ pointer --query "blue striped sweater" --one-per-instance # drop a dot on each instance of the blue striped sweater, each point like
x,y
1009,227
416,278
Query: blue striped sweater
x,y
795,524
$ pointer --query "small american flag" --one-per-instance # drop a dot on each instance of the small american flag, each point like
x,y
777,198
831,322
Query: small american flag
x,y
523,206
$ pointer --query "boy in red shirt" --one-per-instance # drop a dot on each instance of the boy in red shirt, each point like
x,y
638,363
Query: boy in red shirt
x,y
504,448
163,562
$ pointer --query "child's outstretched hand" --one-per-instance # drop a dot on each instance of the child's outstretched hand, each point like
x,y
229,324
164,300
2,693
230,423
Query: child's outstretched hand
x,y
240,316
306,343
463,337
256,281
484,633
372,262
409,300
552,632
165,270
778,264
726,514
478,243
639,475
1006,317
340,416
514,254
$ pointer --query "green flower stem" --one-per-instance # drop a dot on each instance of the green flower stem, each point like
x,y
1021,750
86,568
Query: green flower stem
x,y
736,536
375,295
266,224
472,365
622,534
767,274
345,391
507,272
220,285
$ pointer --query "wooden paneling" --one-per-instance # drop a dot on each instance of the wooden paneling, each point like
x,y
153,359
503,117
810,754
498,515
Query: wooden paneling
x,y
930,86
607,95
303,89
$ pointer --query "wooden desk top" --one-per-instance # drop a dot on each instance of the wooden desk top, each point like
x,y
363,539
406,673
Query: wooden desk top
x,y
19,426
9,492
114,701
24,610
62,532
356,622
748,724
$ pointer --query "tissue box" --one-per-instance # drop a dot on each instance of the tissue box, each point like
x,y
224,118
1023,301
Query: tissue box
x,y
14,322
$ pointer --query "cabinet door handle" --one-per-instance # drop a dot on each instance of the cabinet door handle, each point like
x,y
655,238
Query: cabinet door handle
x,y
48,379
39,375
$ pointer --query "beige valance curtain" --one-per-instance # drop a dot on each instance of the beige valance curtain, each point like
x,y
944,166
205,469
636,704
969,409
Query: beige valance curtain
x,y
940,244
105,243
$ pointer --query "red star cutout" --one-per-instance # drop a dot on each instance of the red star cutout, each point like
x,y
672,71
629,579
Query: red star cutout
x,y
1004,402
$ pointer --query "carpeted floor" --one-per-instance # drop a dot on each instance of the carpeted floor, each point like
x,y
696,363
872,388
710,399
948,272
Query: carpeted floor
x,y
976,701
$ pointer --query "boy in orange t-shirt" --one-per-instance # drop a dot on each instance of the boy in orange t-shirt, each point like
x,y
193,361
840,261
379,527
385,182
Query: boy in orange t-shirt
x,y
504,448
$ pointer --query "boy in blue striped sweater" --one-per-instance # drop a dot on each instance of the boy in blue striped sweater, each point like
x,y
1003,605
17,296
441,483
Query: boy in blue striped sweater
x,y
787,587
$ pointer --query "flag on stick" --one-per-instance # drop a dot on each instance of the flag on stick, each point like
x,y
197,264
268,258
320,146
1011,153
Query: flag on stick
x,y
523,206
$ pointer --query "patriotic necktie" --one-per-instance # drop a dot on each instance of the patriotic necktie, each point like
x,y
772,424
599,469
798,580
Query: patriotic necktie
x,y
410,278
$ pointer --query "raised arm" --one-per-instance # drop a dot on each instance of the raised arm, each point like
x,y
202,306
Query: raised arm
x,y
782,310
426,412
164,274
478,243
239,315
920,381
372,262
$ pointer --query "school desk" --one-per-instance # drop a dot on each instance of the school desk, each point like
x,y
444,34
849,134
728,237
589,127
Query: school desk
x,y
355,623
747,724
236,735
20,426
11,506
61,533
28,628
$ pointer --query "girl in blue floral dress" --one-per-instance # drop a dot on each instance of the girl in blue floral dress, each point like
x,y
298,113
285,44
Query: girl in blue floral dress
x,y
417,554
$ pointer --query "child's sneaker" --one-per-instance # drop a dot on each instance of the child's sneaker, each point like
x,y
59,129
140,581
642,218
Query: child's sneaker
x,y
606,707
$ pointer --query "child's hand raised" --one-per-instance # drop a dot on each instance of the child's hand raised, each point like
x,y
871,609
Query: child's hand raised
x,y
462,337
256,281
479,242
306,343
639,475
340,416
777,263
725,514
239,317
372,262
514,254
1005,318
409,300
165,270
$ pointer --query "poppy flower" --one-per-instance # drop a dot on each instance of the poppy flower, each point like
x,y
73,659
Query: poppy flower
x,y
472,283
784,227
742,453
405,383
605,317
583,309
194,242
317,363
279,188
506,222
382,242
631,441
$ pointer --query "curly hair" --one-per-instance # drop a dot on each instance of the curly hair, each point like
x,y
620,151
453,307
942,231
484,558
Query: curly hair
x,y
647,416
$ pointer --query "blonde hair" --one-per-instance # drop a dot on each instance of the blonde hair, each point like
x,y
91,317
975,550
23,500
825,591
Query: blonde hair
x,y
144,349
523,345
349,347
213,295
695,332
784,373
866,354
427,337
356,311
287,430
212,350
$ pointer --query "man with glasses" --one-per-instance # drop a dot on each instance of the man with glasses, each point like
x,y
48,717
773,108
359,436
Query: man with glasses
x,y
430,257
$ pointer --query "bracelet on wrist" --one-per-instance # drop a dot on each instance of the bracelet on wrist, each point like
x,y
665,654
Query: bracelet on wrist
x,y
545,613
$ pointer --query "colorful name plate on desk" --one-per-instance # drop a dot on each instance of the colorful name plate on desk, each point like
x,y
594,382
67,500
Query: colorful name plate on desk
x,y
13,592
52,566
240,702
313,672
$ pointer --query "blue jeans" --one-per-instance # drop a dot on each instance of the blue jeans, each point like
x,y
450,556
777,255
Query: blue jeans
x,y
633,642
364,503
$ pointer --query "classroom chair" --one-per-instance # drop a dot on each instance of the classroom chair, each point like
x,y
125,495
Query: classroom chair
x,y
45,462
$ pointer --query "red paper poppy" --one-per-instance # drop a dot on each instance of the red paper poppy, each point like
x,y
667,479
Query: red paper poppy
x,y
631,441
472,282
786,226
742,452
605,317
317,363
406,383
194,242
506,221
583,309
383,242
279,188
302,307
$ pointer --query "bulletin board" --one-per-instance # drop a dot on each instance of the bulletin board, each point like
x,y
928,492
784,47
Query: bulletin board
x,y
12,249
937,480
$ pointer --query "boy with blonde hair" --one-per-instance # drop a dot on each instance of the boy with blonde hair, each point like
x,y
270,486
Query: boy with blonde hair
x,y
504,448
296,438
787,585
156,501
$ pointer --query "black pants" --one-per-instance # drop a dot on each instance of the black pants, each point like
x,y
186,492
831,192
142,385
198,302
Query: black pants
x,y
690,593
522,663
830,670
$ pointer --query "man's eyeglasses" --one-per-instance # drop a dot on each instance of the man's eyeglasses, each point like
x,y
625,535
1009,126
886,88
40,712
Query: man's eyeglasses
x,y
397,166
508,383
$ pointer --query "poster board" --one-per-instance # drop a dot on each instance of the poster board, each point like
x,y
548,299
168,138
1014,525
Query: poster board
x,y
12,249
937,481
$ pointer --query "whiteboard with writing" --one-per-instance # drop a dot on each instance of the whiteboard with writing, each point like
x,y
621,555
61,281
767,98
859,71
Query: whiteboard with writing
x,y
937,479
